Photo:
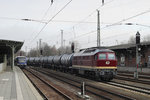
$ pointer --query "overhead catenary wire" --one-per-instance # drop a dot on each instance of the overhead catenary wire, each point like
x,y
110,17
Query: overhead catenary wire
x,y
51,20
117,23
9,18
44,21
117,35
82,21
41,21
84,34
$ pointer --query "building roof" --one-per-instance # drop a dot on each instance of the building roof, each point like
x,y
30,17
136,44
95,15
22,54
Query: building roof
x,y
6,45
91,51
126,46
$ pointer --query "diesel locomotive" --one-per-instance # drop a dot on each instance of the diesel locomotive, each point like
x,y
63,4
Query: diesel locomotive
x,y
93,62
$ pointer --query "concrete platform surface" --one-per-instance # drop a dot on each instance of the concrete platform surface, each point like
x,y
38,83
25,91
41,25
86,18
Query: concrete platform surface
x,y
14,85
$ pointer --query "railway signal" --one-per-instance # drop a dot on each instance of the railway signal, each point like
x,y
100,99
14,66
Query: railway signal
x,y
137,54
137,38
72,47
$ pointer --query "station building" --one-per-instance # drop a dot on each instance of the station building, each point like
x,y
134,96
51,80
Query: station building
x,y
7,50
126,54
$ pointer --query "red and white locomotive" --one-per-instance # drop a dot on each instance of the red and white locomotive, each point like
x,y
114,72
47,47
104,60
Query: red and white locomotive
x,y
100,63
93,62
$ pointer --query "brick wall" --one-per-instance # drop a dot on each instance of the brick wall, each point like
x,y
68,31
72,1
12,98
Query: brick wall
x,y
130,56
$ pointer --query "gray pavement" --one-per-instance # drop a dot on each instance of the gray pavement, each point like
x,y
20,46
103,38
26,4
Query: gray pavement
x,y
14,85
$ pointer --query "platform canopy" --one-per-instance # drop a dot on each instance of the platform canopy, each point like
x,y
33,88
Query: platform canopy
x,y
9,47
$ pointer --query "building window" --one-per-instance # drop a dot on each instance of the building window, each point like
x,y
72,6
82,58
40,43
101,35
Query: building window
x,y
130,57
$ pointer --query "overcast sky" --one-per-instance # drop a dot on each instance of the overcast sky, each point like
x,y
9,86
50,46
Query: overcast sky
x,y
78,21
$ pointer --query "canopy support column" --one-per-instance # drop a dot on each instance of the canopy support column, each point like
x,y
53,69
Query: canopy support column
x,y
12,61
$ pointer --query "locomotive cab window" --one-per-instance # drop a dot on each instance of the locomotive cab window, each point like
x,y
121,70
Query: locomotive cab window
x,y
102,56
95,57
111,56
22,59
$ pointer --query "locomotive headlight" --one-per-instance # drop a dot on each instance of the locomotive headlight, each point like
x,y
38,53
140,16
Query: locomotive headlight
x,y
107,62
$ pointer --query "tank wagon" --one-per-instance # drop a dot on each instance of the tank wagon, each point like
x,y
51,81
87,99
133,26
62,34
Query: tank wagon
x,y
30,61
96,63
50,62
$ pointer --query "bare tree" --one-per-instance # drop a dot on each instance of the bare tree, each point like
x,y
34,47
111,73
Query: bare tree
x,y
68,49
53,50
33,53
132,40
146,38
48,50
20,53
64,50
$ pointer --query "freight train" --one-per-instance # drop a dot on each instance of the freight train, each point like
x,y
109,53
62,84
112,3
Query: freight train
x,y
92,62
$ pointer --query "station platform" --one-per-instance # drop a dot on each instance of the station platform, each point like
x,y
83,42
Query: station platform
x,y
14,85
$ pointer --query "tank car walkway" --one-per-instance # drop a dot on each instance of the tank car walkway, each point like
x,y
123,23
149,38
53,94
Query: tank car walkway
x,y
14,85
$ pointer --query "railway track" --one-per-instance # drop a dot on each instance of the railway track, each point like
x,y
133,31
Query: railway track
x,y
131,78
127,72
90,88
131,87
47,89
142,76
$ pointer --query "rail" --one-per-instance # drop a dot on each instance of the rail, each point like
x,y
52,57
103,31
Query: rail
x,y
51,86
88,89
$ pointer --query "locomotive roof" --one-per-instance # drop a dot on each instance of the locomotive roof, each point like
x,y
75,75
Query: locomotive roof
x,y
89,52
20,56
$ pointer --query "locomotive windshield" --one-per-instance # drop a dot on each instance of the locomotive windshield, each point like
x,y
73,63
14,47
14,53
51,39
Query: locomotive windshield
x,y
102,56
22,59
111,56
